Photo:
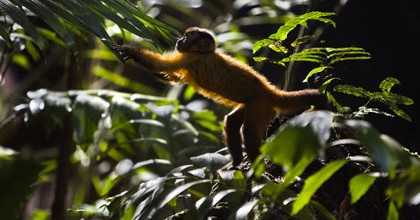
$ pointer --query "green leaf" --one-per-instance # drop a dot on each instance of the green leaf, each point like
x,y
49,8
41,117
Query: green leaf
x,y
90,20
359,185
299,139
134,15
313,183
74,22
405,189
21,60
19,17
352,90
261,43
204,204
384,150
392,211
234,178
6,36
388,83
121,80
322,210
284,30
174,192
316,71
49,17
88,111
389,97
399,112
207,119
302,40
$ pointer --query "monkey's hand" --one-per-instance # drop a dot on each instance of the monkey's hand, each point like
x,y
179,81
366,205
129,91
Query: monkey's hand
x,y
125,51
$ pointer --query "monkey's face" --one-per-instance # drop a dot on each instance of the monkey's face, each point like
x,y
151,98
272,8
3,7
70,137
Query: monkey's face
x,y
196,40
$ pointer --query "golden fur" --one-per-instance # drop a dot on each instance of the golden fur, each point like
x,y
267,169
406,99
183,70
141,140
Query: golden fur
x,y
222,78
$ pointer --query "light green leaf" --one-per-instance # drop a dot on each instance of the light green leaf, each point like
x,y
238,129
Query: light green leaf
x,y
121,80
359,185
284,30
315,71
302,137
392,212
388,83
261,43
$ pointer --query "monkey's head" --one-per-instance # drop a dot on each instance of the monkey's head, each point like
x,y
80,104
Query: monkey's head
x,y
196,40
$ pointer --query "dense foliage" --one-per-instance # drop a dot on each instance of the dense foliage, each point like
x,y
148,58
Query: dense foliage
x,y
140,155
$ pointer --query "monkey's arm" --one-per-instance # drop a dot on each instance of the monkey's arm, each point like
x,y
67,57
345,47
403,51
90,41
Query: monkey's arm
x,y
150,60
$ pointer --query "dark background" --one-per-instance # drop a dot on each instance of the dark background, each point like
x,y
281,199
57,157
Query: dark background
x,y
389,30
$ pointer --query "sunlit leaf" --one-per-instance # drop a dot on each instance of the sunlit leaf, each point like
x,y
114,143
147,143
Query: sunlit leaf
x,y
261,43
121,80
301,138
359,185
388,83
405,189
392,211
316,71
351,90
285,29
400,112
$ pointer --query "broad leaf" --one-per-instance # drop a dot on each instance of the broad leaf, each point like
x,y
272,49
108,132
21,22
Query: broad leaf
x,y
359,185
313,183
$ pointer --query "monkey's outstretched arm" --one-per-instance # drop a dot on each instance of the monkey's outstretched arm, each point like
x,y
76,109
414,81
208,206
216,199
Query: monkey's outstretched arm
x,y
150,60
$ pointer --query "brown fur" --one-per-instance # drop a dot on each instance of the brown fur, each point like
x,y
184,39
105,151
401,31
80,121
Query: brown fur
x,y
222,78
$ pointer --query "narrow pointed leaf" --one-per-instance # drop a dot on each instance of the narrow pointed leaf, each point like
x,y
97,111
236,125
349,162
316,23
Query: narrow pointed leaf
x,y
19,17
49,17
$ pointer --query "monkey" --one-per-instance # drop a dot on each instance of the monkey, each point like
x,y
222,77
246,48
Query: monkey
x,y
222,78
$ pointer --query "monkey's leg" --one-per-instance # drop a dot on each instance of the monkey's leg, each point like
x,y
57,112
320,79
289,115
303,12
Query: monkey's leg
x,y
233,122
257,117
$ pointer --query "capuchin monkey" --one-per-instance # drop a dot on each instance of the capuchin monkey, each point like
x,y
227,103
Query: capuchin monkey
x,y
255,101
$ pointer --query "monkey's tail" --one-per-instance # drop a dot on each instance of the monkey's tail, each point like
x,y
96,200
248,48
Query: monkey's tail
x,y
300,100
